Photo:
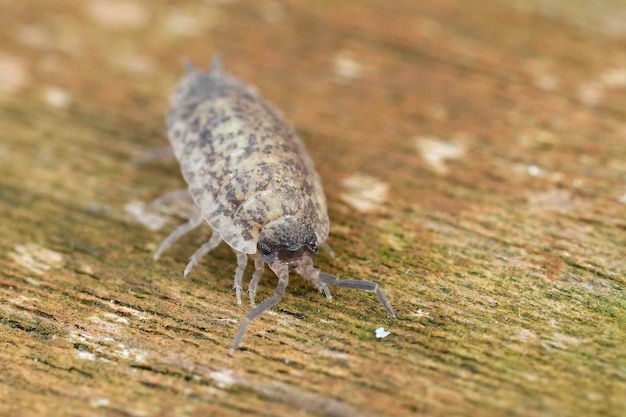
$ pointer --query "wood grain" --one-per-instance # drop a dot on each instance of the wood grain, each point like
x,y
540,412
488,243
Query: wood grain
x,y
474,159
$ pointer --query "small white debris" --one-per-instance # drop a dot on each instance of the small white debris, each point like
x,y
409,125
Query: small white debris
x,y
436,151
100,402
85,355
346,68
381,333
223,378
150,220
56,97
622,198
364,193
535,171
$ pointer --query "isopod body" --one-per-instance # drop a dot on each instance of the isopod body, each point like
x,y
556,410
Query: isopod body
x,y
252,181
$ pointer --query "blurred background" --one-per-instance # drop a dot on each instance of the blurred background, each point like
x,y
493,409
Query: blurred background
x,y
473,155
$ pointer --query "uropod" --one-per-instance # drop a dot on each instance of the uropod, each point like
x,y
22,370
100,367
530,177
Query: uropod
x,y
253,182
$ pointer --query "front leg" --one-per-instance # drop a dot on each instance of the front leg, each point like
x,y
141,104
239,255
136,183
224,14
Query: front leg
x,y
259,269
358,285
282,271
322,280
242,262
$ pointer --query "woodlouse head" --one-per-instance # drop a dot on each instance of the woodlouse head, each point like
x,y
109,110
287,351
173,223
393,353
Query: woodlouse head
x,y
198,85
287,240
191,88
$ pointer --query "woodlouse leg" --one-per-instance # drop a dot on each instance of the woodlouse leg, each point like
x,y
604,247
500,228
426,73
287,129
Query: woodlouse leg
x,y
358,285
202,250
259,269
242,262
306,269
180,231
168,199
312,275
283,280
153,154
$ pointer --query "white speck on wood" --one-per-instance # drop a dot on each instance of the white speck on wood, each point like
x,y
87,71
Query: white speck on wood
x,y
56,97
100,402
535,171
435,152
224,378
364,193
85,356
381,333
346,67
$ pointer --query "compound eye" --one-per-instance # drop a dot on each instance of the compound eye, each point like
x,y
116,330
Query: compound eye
x,y
265,249
312,245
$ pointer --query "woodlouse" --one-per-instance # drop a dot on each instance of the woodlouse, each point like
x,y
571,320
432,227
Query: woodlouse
x,y
252,181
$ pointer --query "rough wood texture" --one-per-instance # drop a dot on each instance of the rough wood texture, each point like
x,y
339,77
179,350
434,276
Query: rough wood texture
x,y
474,159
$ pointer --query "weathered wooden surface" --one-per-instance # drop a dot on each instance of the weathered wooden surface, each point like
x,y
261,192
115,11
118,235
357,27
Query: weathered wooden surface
x,y
474,158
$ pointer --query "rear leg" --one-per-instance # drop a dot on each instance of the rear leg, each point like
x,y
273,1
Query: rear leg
x,y
164,152
180,231
168,199
207,247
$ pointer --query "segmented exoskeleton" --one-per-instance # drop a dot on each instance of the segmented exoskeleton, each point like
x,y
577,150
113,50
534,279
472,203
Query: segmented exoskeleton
x,y
252,181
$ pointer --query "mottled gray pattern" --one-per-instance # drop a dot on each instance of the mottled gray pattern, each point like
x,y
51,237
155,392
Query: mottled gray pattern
x,y
244,164
253,182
